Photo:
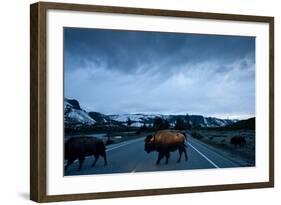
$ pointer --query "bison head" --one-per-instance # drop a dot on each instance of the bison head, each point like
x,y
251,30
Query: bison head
x,y
149,144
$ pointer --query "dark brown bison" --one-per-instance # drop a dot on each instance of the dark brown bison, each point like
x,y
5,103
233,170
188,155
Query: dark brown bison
x,y
164,142
80,147
238,141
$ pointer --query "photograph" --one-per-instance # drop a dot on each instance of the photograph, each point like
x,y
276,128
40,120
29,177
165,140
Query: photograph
x,y
136,101
148,101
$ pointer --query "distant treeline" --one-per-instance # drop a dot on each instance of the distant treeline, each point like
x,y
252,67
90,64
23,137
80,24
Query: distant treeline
x,y
158,124
240,125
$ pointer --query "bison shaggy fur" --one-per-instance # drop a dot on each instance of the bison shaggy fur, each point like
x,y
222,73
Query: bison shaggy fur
x,y
164,142
80,147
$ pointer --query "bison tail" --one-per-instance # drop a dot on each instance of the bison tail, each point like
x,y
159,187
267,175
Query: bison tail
x,y
184,135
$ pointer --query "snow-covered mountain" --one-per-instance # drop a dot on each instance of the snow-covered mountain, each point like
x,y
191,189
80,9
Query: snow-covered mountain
x,y
74,115
194,120
137,120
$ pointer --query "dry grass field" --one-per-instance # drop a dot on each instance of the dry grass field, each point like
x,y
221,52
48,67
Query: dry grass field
x,y
220,140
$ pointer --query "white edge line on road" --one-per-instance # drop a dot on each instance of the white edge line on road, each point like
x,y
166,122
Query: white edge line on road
x,y
210,161
215,153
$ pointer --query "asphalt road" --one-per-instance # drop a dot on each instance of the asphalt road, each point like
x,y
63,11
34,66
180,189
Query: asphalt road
x,y
130,157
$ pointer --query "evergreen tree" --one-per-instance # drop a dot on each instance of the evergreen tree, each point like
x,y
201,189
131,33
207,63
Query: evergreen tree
x,y
181,124
160,124
129,122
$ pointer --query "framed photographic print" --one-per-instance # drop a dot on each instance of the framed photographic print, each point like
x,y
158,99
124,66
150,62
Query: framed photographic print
x,y
134,102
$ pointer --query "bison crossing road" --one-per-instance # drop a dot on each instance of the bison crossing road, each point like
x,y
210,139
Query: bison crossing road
x,y
130,156
165,142
81,147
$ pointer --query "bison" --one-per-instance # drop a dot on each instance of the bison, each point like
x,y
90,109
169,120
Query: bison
x,y
80,147
238,141
164,142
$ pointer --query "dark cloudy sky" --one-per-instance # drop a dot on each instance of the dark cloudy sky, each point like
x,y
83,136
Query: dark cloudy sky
x,y
116,72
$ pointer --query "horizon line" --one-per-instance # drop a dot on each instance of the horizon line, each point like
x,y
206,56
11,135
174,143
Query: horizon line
x,y
219,116
230,117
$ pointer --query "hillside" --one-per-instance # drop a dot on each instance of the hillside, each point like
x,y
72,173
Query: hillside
x,y
75,116
242,124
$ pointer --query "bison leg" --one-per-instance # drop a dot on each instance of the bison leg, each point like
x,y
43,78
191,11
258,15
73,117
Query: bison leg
x,y
69,162
184,151
180,152
104,157
95,161
167,154
160,156
81,160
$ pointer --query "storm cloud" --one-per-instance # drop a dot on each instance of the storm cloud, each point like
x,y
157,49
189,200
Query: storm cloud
x,y
112,71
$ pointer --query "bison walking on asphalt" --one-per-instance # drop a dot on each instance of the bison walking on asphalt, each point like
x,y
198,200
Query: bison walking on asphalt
x,y
80,147
164,142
